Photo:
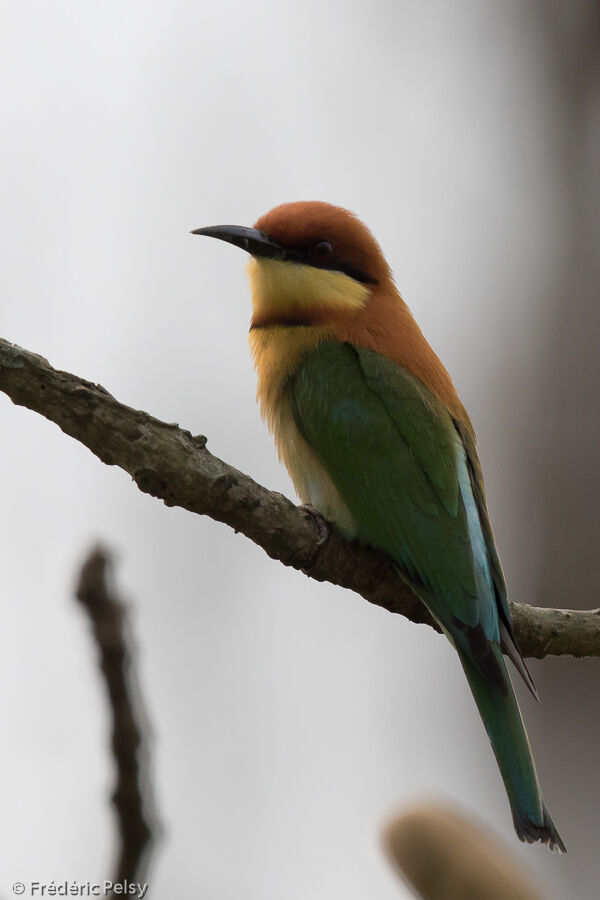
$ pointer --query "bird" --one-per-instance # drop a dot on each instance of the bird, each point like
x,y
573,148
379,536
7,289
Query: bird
x,y
374,436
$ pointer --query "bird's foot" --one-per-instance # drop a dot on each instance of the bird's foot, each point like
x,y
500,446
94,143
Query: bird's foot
x,y
322,524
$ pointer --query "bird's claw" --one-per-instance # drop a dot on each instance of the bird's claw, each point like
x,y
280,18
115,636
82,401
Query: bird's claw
x,y
322,524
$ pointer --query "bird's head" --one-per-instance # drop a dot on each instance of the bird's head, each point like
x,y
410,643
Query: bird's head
x,y
312,263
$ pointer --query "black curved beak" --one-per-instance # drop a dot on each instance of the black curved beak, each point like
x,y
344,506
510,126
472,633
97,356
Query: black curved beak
x,y
255,242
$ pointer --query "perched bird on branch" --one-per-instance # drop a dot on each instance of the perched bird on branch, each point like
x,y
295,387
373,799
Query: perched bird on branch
x,y
373,434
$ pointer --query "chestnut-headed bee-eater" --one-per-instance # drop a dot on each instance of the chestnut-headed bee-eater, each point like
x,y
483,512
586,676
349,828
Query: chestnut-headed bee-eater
x,y
373,434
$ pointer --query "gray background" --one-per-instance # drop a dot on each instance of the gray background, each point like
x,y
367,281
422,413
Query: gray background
x,y
290,719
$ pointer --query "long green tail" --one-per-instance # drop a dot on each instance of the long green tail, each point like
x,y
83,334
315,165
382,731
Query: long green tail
x,y
503,722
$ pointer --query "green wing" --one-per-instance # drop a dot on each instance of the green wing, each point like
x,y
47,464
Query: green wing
x,y
393,452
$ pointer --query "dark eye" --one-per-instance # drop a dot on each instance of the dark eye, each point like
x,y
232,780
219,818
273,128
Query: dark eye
x,y
322,251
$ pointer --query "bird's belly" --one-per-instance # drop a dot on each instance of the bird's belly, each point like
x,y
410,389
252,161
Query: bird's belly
x,y
310,478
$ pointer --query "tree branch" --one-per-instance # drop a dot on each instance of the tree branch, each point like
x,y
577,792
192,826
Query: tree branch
x,y
132,796
172,464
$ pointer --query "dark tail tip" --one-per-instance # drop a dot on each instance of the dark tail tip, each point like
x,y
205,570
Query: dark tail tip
x,y
530,832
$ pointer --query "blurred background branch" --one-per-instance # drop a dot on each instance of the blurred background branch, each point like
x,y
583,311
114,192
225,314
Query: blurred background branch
x,y
175,466
132,796
445,855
